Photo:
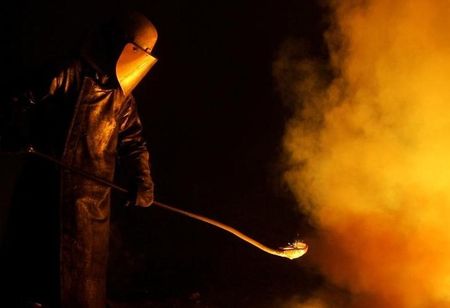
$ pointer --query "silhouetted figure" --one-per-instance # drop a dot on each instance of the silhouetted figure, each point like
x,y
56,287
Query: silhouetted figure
x,y
86,116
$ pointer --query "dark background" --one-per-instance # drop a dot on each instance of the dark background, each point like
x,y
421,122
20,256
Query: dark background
x,y
214,122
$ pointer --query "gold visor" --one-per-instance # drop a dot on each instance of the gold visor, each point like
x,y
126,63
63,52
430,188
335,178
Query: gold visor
x,y
133,64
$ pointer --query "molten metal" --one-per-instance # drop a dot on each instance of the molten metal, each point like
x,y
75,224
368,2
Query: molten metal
x,y
294,250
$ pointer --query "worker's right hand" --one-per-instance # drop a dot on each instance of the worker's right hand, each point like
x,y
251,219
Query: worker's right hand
x,y
142,196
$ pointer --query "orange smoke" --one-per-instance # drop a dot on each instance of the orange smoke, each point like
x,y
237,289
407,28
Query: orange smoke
x,y
369,152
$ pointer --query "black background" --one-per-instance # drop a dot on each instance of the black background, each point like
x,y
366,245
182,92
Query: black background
x,y
214,122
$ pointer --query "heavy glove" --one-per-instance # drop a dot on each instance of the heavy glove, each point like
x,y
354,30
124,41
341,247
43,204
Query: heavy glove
x,y
142,195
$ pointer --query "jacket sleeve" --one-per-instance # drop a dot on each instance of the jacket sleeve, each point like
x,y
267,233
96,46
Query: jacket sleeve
x,y
134,154
17,109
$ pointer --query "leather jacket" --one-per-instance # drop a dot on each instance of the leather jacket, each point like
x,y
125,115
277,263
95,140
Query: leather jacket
x,y
94,124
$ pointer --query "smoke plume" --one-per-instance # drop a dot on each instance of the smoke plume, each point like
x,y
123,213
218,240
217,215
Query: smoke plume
x,y
368,152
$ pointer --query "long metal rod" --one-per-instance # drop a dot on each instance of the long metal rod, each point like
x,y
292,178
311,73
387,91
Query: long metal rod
x,y
79,171
293,251
288,252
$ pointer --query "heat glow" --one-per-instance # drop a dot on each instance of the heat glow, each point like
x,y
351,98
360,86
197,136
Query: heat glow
x,y
368,153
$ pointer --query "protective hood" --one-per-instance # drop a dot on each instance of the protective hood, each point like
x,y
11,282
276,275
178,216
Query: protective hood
x,y
136,60
121,49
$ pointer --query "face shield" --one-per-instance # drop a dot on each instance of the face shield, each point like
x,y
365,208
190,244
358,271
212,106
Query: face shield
x,y
133,36
121,48
133,64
